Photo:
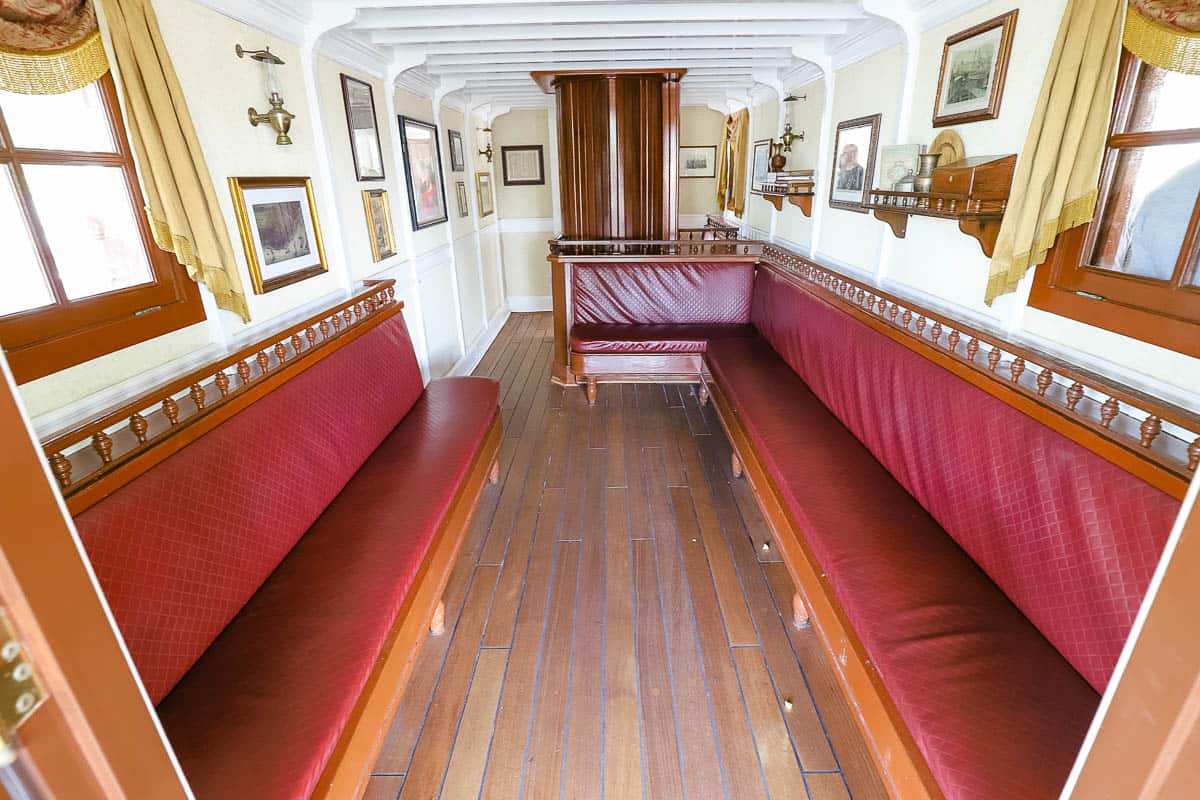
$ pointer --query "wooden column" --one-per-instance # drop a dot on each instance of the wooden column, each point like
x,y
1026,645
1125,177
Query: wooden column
x,y
618,152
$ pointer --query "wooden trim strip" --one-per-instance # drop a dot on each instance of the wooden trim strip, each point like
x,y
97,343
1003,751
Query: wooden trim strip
x,y
1158,442
128,440
897,758
349,768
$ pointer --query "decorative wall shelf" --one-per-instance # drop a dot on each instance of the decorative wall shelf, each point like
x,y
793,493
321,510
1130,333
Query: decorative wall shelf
x,y
973,191
802,201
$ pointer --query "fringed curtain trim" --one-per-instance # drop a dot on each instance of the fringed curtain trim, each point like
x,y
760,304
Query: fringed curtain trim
x,y
50,47
215,278
1165,33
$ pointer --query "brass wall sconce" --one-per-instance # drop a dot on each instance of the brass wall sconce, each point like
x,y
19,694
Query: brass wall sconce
x,y
487,152
279,118
788,137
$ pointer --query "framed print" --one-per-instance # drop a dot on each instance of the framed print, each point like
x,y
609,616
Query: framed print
x,y
277,218
523,165
460,189
364,131
697,161
458,161
854,162
760,165
898,166
379,223
423,168
974,64
483,191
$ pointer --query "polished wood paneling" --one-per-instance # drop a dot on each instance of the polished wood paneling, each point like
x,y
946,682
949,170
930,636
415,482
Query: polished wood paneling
x,y
618,154
615,577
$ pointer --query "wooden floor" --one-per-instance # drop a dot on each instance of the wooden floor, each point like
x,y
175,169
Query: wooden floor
x,y
613,625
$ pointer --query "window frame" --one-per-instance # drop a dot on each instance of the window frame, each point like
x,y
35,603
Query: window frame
x,y
44,340
1164,314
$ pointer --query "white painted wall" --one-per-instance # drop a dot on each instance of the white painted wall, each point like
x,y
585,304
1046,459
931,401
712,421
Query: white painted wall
x,y
699,126
526,212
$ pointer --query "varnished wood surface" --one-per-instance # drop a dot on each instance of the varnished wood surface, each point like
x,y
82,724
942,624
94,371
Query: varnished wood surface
x,y
614,627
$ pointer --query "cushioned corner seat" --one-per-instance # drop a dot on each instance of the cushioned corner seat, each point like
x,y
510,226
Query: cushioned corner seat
x,y
600,337
256,573
990,566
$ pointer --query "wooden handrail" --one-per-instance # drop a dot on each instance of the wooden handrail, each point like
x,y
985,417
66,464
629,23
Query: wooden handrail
x,y
96,456
618,248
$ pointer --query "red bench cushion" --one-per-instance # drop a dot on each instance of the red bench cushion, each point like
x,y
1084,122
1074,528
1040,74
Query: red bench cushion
x,y
259,714
660,294
1071,538
600,337
994,708
179,550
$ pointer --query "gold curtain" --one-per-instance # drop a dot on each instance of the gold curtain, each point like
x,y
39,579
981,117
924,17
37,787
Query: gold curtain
x,y
1165,33
733,167
1055,184
50,46
180,199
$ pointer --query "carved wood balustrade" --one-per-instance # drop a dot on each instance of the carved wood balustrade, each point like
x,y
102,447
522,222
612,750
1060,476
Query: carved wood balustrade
x,y
148,428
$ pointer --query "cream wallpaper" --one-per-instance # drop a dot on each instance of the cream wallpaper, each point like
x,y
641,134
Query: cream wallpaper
x,y
699,126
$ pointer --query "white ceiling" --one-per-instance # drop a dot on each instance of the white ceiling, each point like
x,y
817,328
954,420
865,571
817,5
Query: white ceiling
x,y
481,51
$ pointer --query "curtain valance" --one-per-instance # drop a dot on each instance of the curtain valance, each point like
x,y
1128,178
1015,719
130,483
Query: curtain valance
x,y
1165,33
49,46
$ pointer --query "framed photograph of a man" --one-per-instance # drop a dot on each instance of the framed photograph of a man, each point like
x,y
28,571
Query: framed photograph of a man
x,y
760,165
974,65
359,102
854,162
423,168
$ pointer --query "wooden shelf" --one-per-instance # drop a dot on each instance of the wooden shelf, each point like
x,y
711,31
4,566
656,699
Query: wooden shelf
x,y
802,201
973,192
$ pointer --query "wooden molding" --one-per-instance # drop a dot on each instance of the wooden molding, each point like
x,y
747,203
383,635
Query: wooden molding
x,y
99,455
803,202
774,199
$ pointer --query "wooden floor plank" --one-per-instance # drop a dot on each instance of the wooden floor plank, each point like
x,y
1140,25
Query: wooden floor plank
x,y
465,772
734,738
852,753
622,731
383,787
432,753
502,778
780,765
827,786
660,738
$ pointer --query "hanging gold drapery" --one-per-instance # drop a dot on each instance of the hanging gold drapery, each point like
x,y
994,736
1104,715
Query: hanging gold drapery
x,y
49,46
1054,188
180,199
731,170
1165,33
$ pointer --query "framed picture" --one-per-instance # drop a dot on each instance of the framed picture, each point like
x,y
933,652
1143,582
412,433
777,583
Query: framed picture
x,y
698,161
379,223
974,64
760,164
460,188
523,165
483,191
364,131
458,161
423,166
898,163
854,162
277,218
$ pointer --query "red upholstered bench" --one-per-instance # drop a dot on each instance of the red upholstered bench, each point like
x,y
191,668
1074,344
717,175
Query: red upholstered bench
x,y
982,569
271,577
653,320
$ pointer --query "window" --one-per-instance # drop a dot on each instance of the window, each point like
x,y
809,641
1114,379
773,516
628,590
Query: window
x,y
81,275
1136,268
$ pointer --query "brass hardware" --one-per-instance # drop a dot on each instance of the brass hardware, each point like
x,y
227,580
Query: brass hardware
x,y
788,137
20,690
487,152
279,118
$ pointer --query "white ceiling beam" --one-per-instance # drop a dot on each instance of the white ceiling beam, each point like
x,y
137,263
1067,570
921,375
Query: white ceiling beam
x,y
485,79
565,66
718,43
684,30
540,56
526,14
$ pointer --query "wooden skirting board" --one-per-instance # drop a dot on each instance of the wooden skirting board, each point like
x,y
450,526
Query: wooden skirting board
x,y
897,758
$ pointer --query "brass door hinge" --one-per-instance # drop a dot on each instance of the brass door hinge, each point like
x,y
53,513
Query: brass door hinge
x,y
20,690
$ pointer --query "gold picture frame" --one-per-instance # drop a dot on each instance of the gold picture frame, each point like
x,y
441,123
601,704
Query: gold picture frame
x,y
379,223
277,220
483,191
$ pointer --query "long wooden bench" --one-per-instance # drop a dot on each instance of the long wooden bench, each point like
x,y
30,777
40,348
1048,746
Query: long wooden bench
x,y
273,533
970,525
